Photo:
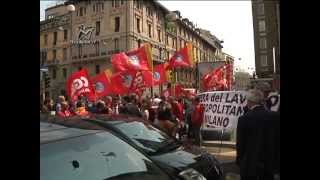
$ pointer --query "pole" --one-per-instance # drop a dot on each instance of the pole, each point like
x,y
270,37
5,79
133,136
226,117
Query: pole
x,y
222,132
274,59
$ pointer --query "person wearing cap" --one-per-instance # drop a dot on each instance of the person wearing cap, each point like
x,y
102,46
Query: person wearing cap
x,y
256,140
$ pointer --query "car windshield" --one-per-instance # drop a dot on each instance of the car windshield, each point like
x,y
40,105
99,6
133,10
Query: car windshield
x,y
146,136
99,156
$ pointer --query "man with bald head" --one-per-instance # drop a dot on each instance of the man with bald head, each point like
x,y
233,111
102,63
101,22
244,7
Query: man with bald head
x,y
256,140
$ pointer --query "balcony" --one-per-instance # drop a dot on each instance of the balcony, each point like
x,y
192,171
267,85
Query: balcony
x,y
52,62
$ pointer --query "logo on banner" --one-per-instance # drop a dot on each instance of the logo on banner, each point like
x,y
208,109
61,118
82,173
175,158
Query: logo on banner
x,y
99,87
127,80
179,58
156,76
81,85
134,60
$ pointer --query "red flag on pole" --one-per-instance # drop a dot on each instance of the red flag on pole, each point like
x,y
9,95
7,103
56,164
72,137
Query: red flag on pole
x,y
138,59
78,83
122,82
215,80
182,58
229,76
158,77
102,84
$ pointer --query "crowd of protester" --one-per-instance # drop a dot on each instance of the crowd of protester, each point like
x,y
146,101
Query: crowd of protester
x,y
172,115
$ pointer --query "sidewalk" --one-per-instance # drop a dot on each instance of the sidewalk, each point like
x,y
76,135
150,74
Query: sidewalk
x,y
226,155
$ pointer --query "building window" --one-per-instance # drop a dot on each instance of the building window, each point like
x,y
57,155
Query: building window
x,y
115,3
139,43
54,73
97,69
116,24
149,30
97,46
116,44
138,25
55,35
122,2
167,39
64,73
260,9
45,39
263,43
159,35
149,12
98,7
262,25
65,35
54,54
82,11
138,4
173,43
263,60
64,54
97,28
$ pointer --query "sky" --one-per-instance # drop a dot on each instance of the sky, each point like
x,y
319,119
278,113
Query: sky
x,y
230,21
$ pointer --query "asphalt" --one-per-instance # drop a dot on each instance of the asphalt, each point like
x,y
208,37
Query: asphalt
x,y
225,152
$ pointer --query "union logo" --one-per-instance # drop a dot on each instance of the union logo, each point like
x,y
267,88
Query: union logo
x,y
99,87
156,76
127,80
179,58
134,60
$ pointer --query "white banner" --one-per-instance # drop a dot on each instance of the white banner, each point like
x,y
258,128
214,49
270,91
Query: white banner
x,y
222,108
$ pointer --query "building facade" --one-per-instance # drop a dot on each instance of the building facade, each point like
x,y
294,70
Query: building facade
x,y
266,23
98,29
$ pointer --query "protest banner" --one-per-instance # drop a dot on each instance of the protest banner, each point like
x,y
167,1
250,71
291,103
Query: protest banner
x,y
222,108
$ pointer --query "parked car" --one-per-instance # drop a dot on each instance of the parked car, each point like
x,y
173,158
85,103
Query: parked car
x,y
168,152
82,150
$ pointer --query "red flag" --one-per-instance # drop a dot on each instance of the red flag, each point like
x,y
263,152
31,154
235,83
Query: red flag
x,y
178,91
78,83
158,77
138,59
215,80
159,74
122,82
182,58
229,76
141,80
102,85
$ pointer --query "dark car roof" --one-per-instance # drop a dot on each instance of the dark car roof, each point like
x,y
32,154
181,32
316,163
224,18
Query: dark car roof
x,y
53,128
51,132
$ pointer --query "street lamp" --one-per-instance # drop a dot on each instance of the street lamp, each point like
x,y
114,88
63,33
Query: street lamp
x,y
171,19
71,8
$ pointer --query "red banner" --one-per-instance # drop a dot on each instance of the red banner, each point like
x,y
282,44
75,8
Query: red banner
x,y
78,83
182,58
215,80
102,85
138,59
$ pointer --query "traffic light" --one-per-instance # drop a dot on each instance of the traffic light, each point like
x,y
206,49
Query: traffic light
x,y
46,80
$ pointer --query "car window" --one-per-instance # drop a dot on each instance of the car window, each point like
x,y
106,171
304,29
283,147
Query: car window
x,y
98,156
145,136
